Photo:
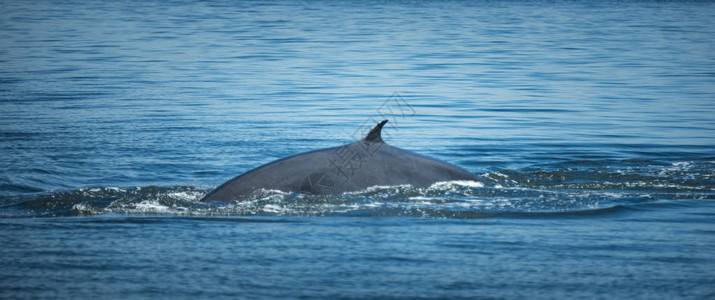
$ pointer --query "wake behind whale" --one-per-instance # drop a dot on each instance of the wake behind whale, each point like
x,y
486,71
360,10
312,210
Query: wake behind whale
x,y
352,167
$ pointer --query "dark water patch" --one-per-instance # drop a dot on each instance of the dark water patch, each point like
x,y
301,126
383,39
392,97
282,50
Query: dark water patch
x,y
15,188
579,214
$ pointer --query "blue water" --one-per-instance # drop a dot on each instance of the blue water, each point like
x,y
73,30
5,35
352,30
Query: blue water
x,y
591,124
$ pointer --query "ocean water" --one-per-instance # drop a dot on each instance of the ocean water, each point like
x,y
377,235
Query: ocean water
x,y
590,122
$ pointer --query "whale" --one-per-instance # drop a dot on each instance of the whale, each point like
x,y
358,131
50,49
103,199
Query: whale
x,y
351,167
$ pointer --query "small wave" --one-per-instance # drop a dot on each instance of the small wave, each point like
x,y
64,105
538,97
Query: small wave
x,y
568,189
444,199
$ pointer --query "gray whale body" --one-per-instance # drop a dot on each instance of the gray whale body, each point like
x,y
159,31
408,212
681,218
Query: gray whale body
x,y
352,167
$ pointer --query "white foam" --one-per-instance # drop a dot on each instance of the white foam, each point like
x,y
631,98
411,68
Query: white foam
x,y
151,206
84,208
376,188
371,204
465,183
273,208
187,196
499,174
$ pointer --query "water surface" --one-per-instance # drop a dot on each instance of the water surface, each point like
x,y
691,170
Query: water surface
x,y
590,123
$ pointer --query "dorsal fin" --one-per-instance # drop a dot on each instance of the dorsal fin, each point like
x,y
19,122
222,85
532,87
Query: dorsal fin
x,y
375,135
